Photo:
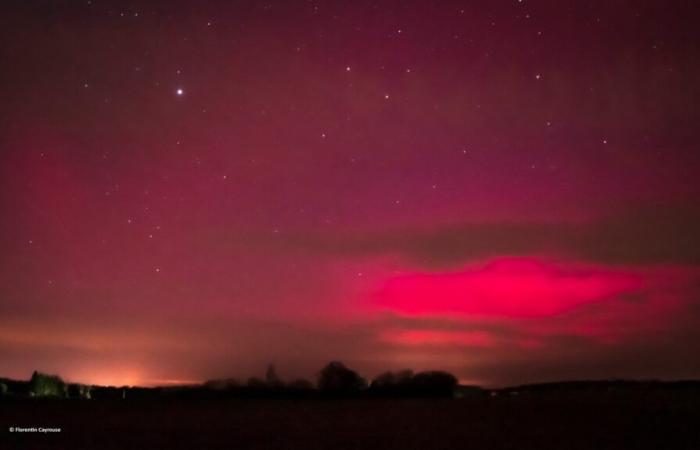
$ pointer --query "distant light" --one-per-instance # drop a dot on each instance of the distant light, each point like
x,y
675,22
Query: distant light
x,y
180,91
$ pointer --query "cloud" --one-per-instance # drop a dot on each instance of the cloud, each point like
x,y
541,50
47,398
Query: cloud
x,y
526,319
653,235
506,287
438,338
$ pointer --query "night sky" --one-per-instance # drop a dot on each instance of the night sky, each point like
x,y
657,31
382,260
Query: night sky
x,y
507,190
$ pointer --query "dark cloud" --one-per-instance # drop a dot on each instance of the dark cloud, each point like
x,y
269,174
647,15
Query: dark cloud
x,y
659,235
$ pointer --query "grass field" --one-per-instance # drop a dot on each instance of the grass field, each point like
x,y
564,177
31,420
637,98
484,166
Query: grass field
x,y
656,420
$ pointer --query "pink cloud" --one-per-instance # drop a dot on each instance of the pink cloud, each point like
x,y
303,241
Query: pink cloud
x,y
533,303
439,337
506,287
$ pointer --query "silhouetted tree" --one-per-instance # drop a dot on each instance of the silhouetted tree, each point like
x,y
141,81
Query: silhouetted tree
x,y
336,378
433,383
271,377
393,380
406,383
43,385
76,390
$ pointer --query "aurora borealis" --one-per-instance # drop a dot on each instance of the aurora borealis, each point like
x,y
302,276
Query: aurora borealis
x,y
506,190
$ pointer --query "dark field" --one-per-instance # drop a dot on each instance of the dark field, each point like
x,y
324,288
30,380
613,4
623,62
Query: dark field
x,y
655,420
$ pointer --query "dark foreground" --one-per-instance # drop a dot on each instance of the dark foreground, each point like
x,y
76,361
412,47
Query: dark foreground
x,y
654,420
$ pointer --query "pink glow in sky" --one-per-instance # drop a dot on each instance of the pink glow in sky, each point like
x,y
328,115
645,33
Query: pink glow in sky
x,y
526,302
506,287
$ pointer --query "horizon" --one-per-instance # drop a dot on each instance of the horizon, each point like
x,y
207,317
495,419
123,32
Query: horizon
x,y
243,383
505,191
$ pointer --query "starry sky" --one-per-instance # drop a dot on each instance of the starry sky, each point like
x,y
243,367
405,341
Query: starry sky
x,y
506,190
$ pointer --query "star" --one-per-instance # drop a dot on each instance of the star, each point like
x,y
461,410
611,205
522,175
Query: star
x,y
180,92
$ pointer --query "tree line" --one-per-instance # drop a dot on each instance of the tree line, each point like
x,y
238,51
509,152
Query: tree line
x,y
333,380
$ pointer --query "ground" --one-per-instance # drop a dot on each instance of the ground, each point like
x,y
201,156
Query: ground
x,y
659,421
